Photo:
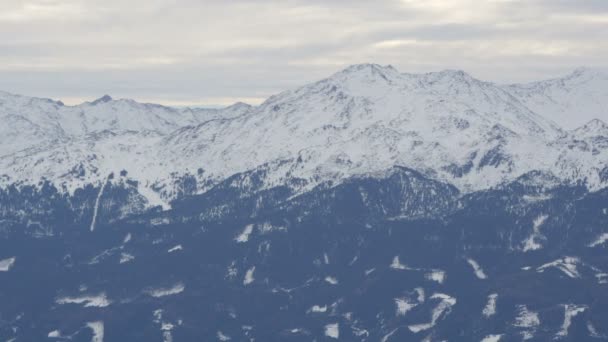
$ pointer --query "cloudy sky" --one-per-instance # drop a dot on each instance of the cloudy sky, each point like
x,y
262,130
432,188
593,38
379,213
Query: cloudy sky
x,y
215,52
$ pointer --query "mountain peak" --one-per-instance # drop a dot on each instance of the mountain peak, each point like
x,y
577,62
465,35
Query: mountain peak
x,y
585,73
365,67
239,105
103,99
594,127
367,71
450,75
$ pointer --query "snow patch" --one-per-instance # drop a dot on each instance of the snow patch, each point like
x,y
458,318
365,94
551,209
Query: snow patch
x,y
232,271
175,249
477,269
266,228
602,239
570,311
244,236
490,308
389,335
162,292
125,257
404,305
532,242
420,294
97,200
397,265
97,328
492,338
153,198
249,276
527,320
331,280
54,334
7,264
318,309
568,265
223,337
444,307
332,330
593,331
436,275
99,301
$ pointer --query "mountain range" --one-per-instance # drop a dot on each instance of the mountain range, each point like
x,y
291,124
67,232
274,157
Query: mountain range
x,y
369,206
360,121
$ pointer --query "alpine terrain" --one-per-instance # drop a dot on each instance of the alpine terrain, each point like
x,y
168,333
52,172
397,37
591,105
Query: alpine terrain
x,y
372,205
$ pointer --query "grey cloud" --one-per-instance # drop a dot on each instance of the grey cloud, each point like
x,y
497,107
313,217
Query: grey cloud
x,y
222,51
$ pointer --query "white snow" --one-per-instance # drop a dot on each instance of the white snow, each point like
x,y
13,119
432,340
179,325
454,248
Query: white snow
x,y
571,100
249,276
267,227
532,242
477,269
175,249
602,278
99,301
593,331
167,336
223,337
318,309
331,280
443,308
232,271
420,294
527,321
490,308
7,264
332,330
389,335
126,257
526,318
169,291
570,311
167,328
492,338
568,265
436,275
360,121
397,265
54,334
403,306
244,236
600,240
98,330
97,200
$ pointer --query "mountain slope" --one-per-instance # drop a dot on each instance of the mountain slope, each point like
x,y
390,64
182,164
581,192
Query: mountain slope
x,y
342,263
571,100
363,120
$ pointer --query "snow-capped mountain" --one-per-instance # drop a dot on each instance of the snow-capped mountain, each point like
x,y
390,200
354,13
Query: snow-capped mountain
x,y
369,206
566,100
30,121
363,120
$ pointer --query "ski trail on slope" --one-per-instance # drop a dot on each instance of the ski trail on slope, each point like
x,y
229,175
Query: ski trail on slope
x,y
96,207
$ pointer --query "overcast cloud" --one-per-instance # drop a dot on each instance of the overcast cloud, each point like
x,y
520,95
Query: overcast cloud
x,y
192,52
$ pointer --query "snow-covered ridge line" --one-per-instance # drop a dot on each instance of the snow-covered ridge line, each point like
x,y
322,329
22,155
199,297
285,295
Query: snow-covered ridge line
x,y
363,120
